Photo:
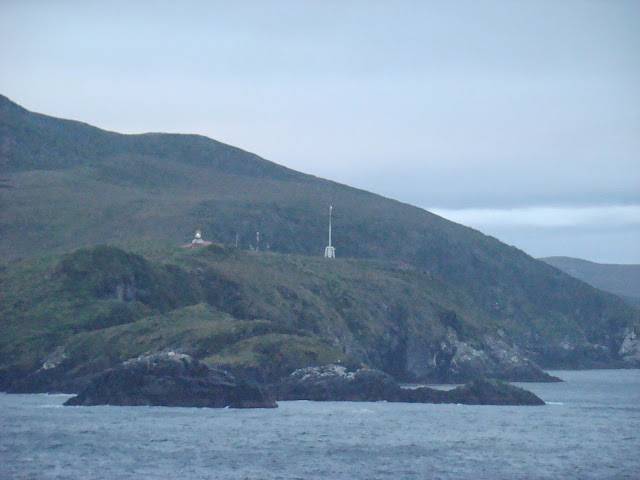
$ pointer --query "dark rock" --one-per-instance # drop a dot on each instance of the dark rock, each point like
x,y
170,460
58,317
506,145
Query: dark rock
x,y
476,392
172,380
493,392
336,383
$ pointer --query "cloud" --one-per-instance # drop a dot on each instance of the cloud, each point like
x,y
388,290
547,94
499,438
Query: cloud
x,y
603,233
599,217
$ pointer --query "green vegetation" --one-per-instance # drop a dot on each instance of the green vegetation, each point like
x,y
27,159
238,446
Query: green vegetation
x,y
264,313
68,185
103,305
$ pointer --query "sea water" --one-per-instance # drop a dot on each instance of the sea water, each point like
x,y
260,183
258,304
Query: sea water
x,y
590,429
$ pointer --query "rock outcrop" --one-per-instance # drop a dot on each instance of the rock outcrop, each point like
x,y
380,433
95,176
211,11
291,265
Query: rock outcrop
x,y
337,383
458,360
173,380
476,392
630,348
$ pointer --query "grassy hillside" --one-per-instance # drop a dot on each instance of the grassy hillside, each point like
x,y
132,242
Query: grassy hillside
x,y
263,313
623,280
103,305
67,185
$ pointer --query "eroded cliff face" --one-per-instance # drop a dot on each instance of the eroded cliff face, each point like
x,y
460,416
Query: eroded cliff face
x,y
617,348
630,348
456,360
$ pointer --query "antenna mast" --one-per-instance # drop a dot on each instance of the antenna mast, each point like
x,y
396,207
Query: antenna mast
x,y
330,251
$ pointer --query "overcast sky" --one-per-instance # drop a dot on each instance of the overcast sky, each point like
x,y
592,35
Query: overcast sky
x,y
518,118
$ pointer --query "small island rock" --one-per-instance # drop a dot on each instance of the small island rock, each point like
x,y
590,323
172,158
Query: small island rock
x,y
476,392
173,380
337,383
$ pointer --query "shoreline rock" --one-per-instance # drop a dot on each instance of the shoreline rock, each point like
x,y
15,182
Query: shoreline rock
x,y
172,380
336,383
477,392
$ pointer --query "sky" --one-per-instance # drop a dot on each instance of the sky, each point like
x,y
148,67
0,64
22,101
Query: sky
x,y
518,118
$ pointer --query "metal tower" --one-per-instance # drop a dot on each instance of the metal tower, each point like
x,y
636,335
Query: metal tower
x,y
330,252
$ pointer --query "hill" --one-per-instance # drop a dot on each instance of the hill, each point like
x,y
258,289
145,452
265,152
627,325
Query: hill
x,y
622,280
263,313
68,185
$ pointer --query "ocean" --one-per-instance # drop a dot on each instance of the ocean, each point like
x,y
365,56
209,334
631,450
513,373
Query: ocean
x,y
590,429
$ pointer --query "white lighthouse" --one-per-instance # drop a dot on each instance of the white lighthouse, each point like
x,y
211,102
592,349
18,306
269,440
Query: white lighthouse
x,y
197,241
330,252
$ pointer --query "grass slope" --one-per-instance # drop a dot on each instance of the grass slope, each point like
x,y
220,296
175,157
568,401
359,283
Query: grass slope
x,y
66,185
104,305
263,313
